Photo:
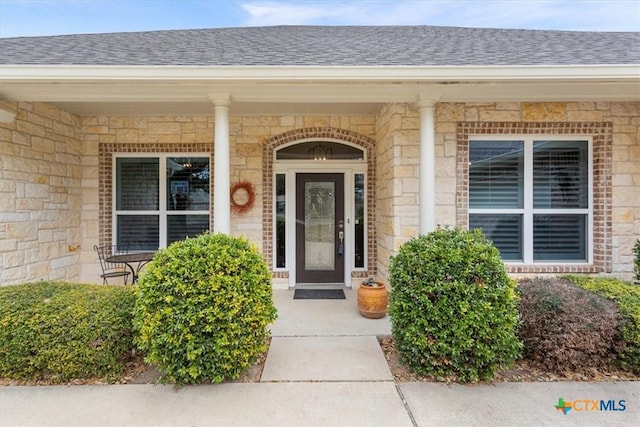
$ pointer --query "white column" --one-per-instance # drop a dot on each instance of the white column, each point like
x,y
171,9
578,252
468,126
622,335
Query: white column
x,y
221,174
427,167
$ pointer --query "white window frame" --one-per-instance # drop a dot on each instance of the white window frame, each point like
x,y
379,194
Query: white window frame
x,y
163,212
528,211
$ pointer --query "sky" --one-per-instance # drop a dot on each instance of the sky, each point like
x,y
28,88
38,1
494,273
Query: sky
x,y
20,18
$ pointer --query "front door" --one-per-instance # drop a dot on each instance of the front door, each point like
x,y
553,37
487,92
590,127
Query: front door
x,y
320,228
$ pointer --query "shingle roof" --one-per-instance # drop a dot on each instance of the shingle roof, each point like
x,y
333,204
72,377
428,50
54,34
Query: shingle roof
x,y
328,46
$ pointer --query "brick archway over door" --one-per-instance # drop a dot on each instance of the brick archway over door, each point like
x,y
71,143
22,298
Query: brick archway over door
x,y
340,135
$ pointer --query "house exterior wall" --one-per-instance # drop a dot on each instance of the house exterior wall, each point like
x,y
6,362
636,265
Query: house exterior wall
x,y
40,194
53,180
247,137
397,168
616,128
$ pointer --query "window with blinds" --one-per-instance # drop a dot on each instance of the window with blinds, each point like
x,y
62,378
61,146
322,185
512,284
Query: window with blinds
x,y
532,197
160,199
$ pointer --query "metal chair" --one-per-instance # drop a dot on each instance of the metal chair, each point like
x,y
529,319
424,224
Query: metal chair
x,y
112,269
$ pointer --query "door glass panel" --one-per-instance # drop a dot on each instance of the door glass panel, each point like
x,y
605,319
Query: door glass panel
x,y
320,150
319,238
281,221
359,221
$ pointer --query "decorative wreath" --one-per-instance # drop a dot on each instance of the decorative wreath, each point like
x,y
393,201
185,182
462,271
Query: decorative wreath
x,y
241,208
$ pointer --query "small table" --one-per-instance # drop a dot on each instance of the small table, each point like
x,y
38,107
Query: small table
x,y
141,258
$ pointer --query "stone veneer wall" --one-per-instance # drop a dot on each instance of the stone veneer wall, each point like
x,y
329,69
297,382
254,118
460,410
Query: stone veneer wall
x,y
49,165
397,168
40,194
102,136
616,131
247,134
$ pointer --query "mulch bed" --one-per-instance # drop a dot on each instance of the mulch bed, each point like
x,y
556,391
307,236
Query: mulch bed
x,y
523,371
138,372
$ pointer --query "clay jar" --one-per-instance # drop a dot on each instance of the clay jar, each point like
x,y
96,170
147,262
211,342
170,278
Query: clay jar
x,y
373,299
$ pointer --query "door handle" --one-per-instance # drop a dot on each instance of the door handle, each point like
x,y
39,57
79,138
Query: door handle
x,y
341,246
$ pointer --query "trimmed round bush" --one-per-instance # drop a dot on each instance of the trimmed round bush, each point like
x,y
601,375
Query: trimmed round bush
x,y
203,308
56,332
567,329
453,308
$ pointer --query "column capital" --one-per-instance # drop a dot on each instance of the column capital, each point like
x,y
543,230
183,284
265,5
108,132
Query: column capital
x,y
220,99
424,102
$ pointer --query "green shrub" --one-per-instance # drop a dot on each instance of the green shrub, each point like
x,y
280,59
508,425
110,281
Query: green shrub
x,y
60,331
203,308
565,328
627,297
636,260
452,306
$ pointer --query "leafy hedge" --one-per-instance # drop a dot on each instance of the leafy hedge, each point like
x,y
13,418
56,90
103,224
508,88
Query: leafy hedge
x,y
453,308
566,328
60,331
627,297
636,260
203,308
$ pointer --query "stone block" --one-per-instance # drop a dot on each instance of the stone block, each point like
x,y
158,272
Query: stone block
x,y
127,135
7,245
13,259
287,121
541,112
30,128
622,180
13,275
95,129
625,108
43,145
499,116
585,116
164,128
621,139
621,153
47,110
64,129
22,230
40,120
450,112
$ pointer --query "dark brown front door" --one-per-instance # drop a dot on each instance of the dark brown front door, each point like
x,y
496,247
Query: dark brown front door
x,y
320,228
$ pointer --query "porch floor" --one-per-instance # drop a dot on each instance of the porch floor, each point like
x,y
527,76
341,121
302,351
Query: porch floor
x,y
324,318
325,340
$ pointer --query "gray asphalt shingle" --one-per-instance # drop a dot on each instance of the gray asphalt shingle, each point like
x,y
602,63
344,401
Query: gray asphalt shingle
x,y
328,46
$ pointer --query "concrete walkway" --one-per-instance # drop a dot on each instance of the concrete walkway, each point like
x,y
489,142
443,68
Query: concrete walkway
x,y
324,368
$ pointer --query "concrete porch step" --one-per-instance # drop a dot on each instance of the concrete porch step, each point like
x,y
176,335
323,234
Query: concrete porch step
x,y
356,358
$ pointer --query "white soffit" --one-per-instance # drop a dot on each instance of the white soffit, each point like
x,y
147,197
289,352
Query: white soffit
x,y
97,90
328,73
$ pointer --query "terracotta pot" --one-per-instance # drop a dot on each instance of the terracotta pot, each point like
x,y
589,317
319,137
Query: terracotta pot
x,y
373,301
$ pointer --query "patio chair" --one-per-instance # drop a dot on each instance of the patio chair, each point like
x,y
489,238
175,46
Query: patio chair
x,y
112,270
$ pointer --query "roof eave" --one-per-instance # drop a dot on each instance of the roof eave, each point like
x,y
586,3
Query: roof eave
x,y
97,73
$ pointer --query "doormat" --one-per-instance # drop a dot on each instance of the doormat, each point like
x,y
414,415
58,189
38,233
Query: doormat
x,y
319,294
